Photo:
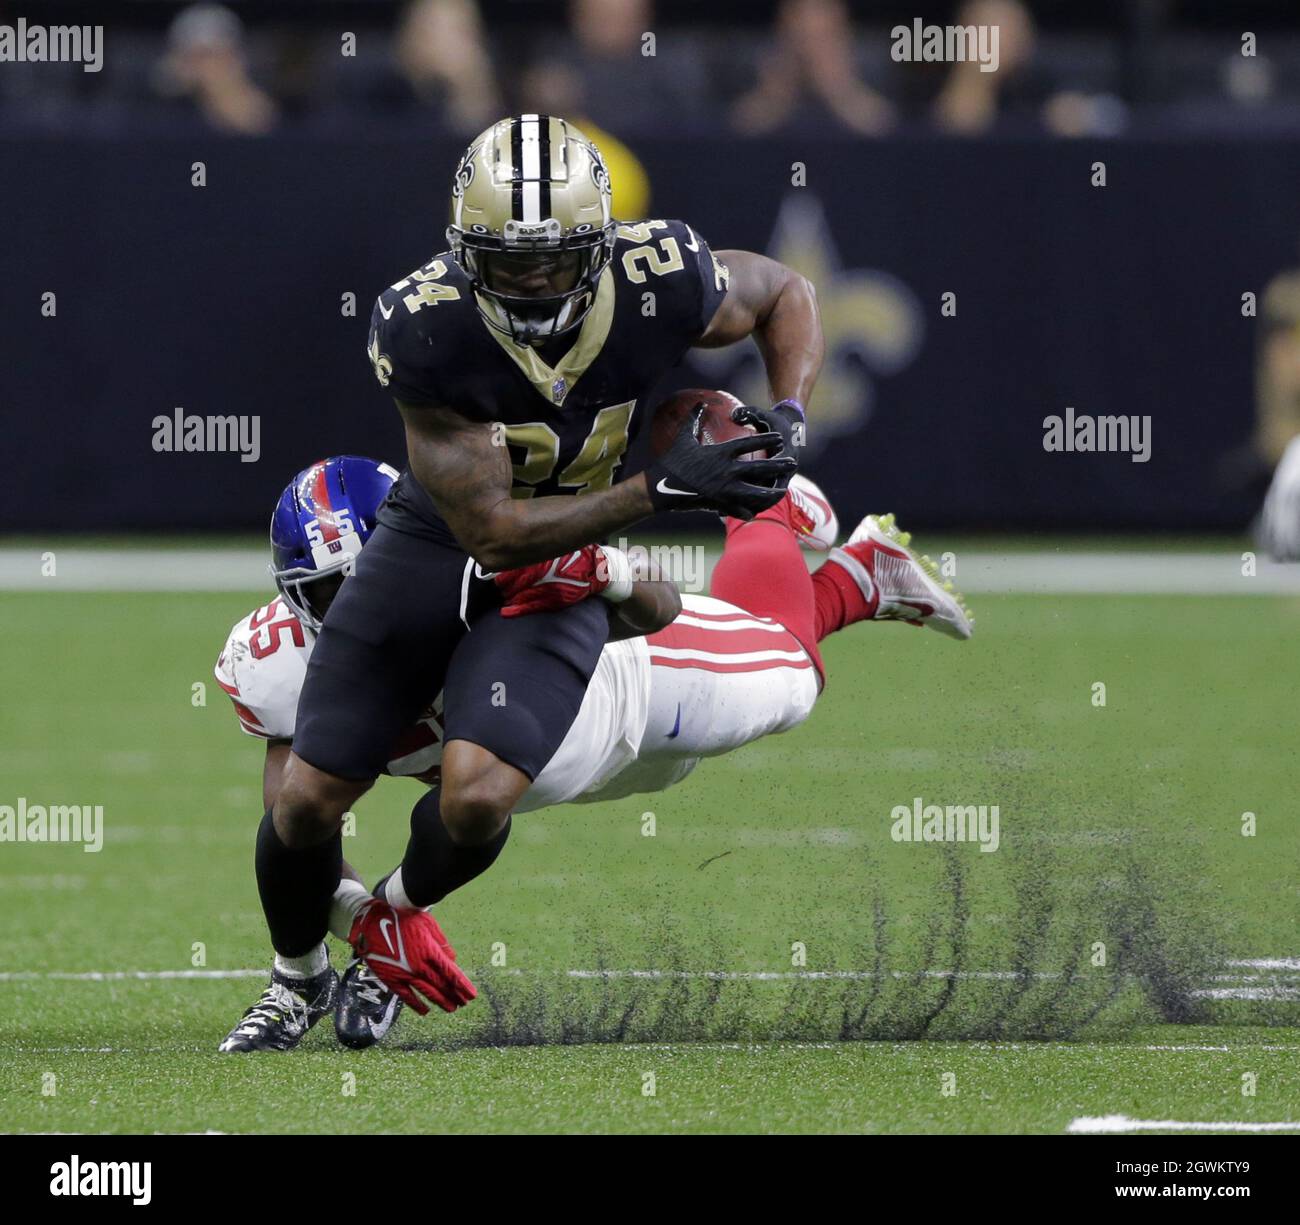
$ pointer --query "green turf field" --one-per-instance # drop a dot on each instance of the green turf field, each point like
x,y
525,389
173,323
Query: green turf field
x,y
770,959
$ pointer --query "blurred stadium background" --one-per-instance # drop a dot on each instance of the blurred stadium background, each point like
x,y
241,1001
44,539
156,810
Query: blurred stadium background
x,y
327,176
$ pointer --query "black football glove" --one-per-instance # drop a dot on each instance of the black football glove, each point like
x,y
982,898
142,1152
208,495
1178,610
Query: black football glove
x,y
785,418
692,475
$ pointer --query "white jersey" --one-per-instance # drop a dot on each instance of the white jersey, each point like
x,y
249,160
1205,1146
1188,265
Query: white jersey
x,y
262,668
715,679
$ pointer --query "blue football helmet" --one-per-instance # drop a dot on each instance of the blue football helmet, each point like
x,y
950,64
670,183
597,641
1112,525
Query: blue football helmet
x,y
322,520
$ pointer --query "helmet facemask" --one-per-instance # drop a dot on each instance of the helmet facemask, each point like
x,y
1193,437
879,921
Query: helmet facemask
x,y
534,282
311,592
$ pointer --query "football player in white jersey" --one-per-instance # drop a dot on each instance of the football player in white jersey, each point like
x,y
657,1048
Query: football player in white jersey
x,y
724,672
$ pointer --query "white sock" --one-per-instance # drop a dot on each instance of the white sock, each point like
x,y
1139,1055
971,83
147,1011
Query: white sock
x,y
346,904
306,966
395,891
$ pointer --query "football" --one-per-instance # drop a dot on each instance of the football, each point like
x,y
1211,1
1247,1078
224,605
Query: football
x,y
715,426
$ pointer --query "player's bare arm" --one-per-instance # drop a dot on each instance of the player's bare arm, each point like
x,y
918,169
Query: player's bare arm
x,y
652,606
778,307
467,473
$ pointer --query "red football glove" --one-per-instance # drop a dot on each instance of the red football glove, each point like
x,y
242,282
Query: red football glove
x,y
547,585
407,952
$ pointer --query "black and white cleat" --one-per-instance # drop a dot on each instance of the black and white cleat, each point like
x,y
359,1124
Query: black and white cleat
x,y
284,1013
366,1009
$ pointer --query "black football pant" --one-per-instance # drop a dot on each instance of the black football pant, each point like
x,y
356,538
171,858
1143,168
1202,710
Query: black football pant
x,y
415,619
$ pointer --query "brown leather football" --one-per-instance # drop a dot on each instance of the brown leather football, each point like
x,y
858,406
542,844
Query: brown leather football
x,y
715,426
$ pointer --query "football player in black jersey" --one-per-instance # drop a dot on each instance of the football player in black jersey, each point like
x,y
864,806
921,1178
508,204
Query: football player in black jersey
x,y
520,360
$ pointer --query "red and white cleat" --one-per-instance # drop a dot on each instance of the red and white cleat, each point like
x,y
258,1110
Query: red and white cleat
x,y
812,518
807,512
904,586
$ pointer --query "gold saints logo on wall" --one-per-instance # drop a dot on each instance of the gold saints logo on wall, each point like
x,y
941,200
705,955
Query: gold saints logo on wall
x,y
872,321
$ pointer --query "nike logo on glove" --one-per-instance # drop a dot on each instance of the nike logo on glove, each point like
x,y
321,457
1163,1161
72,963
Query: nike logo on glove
x,y
558,566
664,487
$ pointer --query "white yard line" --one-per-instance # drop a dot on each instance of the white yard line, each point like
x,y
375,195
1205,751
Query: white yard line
x,y
1047,573
1200,1048
1094,573
651,975
1246,991
870,1048
1112,1124
768,976
136,570
111,976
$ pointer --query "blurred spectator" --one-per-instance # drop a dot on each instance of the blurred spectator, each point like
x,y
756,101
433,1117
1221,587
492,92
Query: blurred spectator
x,y
631,82
972,102
205,62
970,99
1277,407
1277,376
442,52
811,75
640,71
1276,443
611,29
551,87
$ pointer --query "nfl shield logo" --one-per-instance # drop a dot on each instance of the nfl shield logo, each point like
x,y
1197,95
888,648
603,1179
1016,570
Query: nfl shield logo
x,y
558,388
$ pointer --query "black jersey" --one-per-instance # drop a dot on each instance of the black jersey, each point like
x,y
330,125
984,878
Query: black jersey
x,y
567,425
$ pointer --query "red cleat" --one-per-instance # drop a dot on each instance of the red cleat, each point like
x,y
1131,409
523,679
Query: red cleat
x,y
898,584
807,512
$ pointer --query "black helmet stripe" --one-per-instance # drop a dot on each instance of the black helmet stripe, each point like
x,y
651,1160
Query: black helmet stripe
x,y
530,156
544,165
516,173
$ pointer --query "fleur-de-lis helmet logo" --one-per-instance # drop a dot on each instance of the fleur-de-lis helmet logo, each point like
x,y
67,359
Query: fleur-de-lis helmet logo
x,y
464,174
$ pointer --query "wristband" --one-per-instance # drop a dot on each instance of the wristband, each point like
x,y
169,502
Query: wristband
x,y
617,567
794,406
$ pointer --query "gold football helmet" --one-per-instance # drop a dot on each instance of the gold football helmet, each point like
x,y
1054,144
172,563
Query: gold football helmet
x,y
531,225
